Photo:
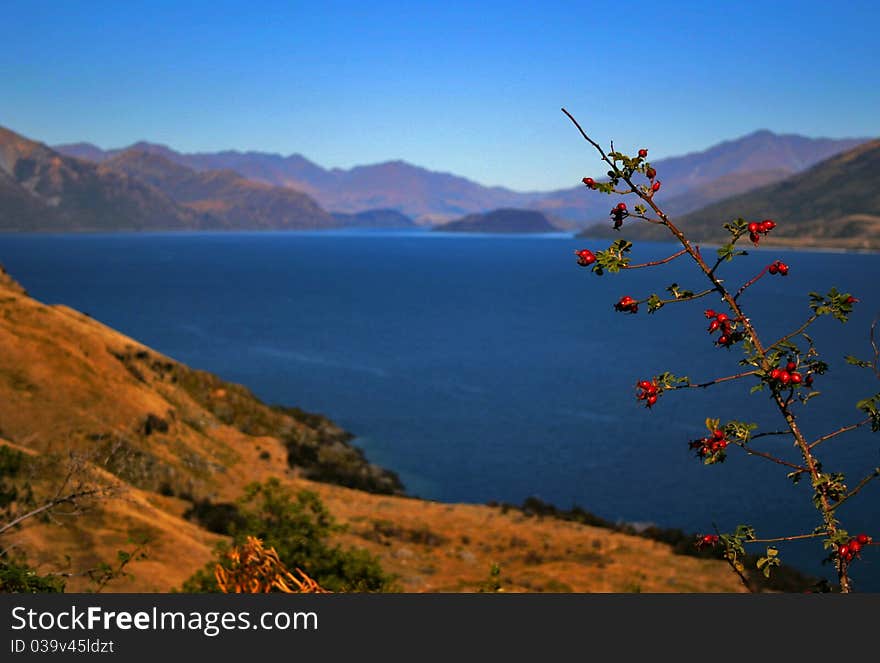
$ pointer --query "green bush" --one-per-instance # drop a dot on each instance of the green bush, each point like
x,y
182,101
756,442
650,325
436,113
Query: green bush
x,y
298,527
17,577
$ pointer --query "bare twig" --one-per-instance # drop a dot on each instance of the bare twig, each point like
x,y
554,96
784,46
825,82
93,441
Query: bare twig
x,y
703,385
861,484
797,331
51,504
654,263
840,431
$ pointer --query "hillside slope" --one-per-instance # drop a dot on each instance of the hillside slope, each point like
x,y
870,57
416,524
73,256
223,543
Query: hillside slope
x,y
168,435
836,204
501,221
239,203
41,190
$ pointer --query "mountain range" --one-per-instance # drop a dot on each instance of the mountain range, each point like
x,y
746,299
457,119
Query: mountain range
x,y
691,181
81,187
835,203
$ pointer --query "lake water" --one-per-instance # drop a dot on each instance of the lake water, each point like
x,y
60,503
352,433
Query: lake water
x,y
491,368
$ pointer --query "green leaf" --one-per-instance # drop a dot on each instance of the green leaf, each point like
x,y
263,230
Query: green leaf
x,y
871,407
654,303
854,361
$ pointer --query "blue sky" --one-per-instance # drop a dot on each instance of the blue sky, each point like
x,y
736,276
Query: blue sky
x,y
470,88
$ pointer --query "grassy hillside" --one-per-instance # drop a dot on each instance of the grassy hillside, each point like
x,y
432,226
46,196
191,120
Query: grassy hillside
x,y
165,437
836,203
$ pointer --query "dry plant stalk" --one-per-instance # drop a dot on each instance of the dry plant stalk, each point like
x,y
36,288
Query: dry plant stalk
x,y
255,569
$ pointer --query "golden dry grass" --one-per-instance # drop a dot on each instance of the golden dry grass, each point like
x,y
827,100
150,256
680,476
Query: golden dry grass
x,y
63,387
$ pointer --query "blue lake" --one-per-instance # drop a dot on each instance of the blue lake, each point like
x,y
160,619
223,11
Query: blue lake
x,y
493,368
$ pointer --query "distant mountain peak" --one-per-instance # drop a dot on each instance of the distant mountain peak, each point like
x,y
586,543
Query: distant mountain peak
x,y
429,196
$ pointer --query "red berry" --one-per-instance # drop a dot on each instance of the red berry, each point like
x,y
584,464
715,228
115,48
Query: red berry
x,y
767,225
713,326
851,300
784,377
585,257
754,227
718,434
843,550
775,373
863,539
643,384
790,366
854,546
796,378
655,187
809,381
783,269
621,206
643,153
652,389
651,400
722,317
650,173
722,340
773,268
755,237
709,313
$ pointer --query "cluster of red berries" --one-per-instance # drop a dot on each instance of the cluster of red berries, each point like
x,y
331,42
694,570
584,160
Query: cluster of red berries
x,y
706,541
758,229
778,267
648,392
721,321
710,445
852,548
618,213
788,374
627,305
585,257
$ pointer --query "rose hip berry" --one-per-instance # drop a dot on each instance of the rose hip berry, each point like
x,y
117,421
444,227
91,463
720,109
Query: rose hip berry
x,y
590,182
650,173
706,541
627,305
585,257
618,213
710,448
757,229
648,392
655,187
643,153
787,374
721,321
780,267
